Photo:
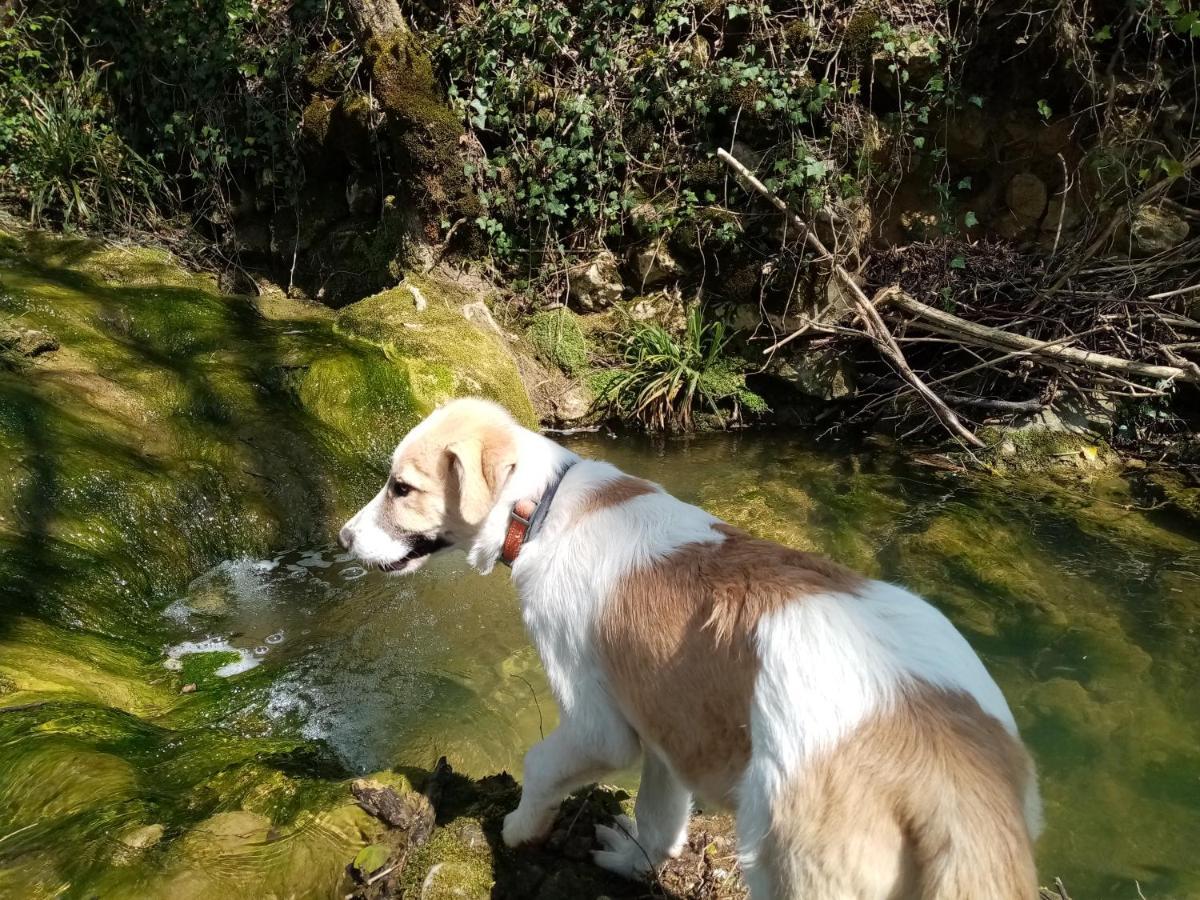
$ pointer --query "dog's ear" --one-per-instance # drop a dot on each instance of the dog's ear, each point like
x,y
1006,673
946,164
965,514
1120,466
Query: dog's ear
x,y
479,468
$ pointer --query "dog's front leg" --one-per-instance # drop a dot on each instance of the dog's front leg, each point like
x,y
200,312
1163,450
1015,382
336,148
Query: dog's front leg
x,y
636,847
570,757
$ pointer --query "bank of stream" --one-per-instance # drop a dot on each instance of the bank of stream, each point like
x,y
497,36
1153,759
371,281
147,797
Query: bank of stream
x,y
191,675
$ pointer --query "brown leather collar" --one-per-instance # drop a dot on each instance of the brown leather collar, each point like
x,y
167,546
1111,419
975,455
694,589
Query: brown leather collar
x,y
526,518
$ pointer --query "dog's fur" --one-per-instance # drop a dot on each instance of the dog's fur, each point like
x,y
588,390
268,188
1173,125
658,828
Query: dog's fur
x,y
866,750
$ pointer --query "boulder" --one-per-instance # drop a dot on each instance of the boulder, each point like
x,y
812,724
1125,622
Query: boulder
x,y
596,283
823,374
654,265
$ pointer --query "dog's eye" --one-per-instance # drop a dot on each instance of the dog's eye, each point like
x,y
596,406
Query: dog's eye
x,y
400,489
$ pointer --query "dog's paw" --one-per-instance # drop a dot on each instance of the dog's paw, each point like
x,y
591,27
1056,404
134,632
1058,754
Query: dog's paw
x,y
622,854
521,829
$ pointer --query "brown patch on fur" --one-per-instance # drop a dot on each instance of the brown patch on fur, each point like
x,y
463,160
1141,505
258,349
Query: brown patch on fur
x,y
614,493
925,801
456,464
676,640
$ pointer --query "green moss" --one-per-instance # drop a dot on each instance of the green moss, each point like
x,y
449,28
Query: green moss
x,y
559,340
1033,450
314,122
442,352
456,863
404,83
859,33
200,669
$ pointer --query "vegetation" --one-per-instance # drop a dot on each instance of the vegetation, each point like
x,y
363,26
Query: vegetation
x,y
560,341
667,380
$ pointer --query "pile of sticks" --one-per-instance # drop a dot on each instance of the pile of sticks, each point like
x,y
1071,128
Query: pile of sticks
x,y
1088,326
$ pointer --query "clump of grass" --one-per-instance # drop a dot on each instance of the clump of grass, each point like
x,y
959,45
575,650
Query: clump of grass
x,y
74,167
666,379
560,341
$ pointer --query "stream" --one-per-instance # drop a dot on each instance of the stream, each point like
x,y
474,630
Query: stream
x,y
1086,613
190,672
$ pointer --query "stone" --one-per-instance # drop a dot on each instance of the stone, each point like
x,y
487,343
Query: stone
x,y
135,842
408,810
27,342
1155,230
663,308
654,265
596,284
824,374
1026,197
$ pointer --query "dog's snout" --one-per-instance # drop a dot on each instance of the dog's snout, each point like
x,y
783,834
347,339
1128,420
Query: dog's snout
x,y
346,538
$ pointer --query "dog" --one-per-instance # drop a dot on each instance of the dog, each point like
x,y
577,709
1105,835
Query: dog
x,y
861,742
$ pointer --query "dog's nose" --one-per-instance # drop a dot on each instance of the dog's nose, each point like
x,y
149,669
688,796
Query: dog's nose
x,y
346,538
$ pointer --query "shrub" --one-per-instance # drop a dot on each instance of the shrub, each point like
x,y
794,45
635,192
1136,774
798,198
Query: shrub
x,y
559,340
665,379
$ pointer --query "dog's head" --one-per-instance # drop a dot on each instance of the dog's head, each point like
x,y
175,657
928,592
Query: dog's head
x,y
446,476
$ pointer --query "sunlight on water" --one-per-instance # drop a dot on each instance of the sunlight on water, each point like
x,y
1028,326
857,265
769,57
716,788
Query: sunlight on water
x,y
1086,612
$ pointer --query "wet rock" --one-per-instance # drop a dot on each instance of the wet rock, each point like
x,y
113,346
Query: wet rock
x,y
27,342
824,374
1026,197
1155,230
133,843
596,283
407,810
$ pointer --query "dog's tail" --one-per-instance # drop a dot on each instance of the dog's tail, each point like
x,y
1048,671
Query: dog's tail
x,y
934,800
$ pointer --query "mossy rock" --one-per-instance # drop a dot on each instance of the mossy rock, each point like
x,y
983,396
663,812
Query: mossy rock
x,y
314,122
1035,450
560,341
422,329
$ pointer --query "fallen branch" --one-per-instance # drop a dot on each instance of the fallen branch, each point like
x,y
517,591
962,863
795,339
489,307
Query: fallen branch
x,y
875,326
988,404
984,336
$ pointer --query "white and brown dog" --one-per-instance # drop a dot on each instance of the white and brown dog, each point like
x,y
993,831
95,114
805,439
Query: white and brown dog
x,y
864,747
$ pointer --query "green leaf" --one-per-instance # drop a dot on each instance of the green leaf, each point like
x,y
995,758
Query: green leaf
x,y
1172,168
371,858
1044,109
964,184
958,263
970,219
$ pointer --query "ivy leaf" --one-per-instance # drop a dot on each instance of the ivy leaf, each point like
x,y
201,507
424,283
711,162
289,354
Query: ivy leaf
x,y
970,219
371,858
1172,168
1044,109
958,263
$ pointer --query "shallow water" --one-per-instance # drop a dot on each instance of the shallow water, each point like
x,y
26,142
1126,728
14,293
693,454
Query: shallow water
x,y
1086,612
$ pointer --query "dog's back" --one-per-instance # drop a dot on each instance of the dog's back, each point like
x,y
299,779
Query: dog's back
x,y
866,749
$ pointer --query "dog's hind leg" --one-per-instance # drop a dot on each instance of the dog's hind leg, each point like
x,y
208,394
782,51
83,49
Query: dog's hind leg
x,y
635,847
575,753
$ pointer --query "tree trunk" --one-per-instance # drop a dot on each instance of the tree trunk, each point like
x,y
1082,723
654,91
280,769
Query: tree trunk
x,y
374,18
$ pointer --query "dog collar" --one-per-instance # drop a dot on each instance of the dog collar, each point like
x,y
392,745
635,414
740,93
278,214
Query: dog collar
x,y
526,517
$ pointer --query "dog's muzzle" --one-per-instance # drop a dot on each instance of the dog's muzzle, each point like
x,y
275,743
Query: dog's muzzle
x,y
422,546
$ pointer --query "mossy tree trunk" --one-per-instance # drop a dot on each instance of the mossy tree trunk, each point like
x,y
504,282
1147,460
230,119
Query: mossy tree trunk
x,y
374,18
423,128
